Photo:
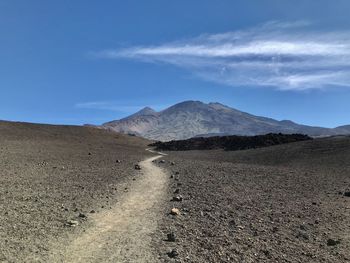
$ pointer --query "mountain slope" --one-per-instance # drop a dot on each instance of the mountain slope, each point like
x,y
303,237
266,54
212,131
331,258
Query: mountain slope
x,y
193,118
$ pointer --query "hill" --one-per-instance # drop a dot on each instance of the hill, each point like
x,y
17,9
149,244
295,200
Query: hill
x,y
194,118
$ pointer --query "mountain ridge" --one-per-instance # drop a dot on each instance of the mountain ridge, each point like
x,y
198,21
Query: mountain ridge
x,y
189,119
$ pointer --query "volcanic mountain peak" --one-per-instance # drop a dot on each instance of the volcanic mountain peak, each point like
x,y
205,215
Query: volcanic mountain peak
x,y
145,111
192,118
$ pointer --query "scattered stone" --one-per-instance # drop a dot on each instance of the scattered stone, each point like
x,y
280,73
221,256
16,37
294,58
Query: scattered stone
x,y
172,163
162,161
177,198
177,173
137,167
81,215
303,227
332,242
303,235
347,194
92,211
175,211
275,229
171,237
173,253
72,223
118,161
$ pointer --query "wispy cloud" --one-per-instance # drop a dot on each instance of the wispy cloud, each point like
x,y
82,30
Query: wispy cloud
x,y
288,56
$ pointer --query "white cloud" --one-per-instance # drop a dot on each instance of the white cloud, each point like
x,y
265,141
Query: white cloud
x,y
287,56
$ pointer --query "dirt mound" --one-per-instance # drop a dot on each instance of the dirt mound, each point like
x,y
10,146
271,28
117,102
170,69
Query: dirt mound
x,y
230,143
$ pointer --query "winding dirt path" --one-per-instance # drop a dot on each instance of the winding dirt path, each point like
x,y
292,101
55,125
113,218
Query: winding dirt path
x,y
123,234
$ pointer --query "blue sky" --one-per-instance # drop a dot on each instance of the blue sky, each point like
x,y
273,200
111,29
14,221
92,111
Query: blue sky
x,y
76,62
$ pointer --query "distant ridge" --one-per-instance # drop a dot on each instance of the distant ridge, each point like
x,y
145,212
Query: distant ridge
x,y
194,118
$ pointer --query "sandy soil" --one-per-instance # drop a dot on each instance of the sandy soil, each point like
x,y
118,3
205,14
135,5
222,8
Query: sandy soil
x,y
123,234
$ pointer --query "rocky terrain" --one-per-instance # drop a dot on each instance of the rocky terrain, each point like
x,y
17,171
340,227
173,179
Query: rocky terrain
x,y
286,203
194,118
81,194
230,143
53,179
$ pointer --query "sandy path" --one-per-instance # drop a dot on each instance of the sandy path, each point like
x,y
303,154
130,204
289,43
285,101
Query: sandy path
x,y
123,234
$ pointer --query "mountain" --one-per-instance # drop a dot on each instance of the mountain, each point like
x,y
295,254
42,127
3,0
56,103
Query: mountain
x,y
194,118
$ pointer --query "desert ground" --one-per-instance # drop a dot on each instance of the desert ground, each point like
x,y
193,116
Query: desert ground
x,y
72,194
282,203
59,184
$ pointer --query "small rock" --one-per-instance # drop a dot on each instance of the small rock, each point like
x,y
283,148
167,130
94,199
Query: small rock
x,y
173,253
81,215
303,227
89,153
175,211
172,163
72,223
177,198
171,237
177,191
303,235
118,161
137,167
347,194
162,161
92,211
332,242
